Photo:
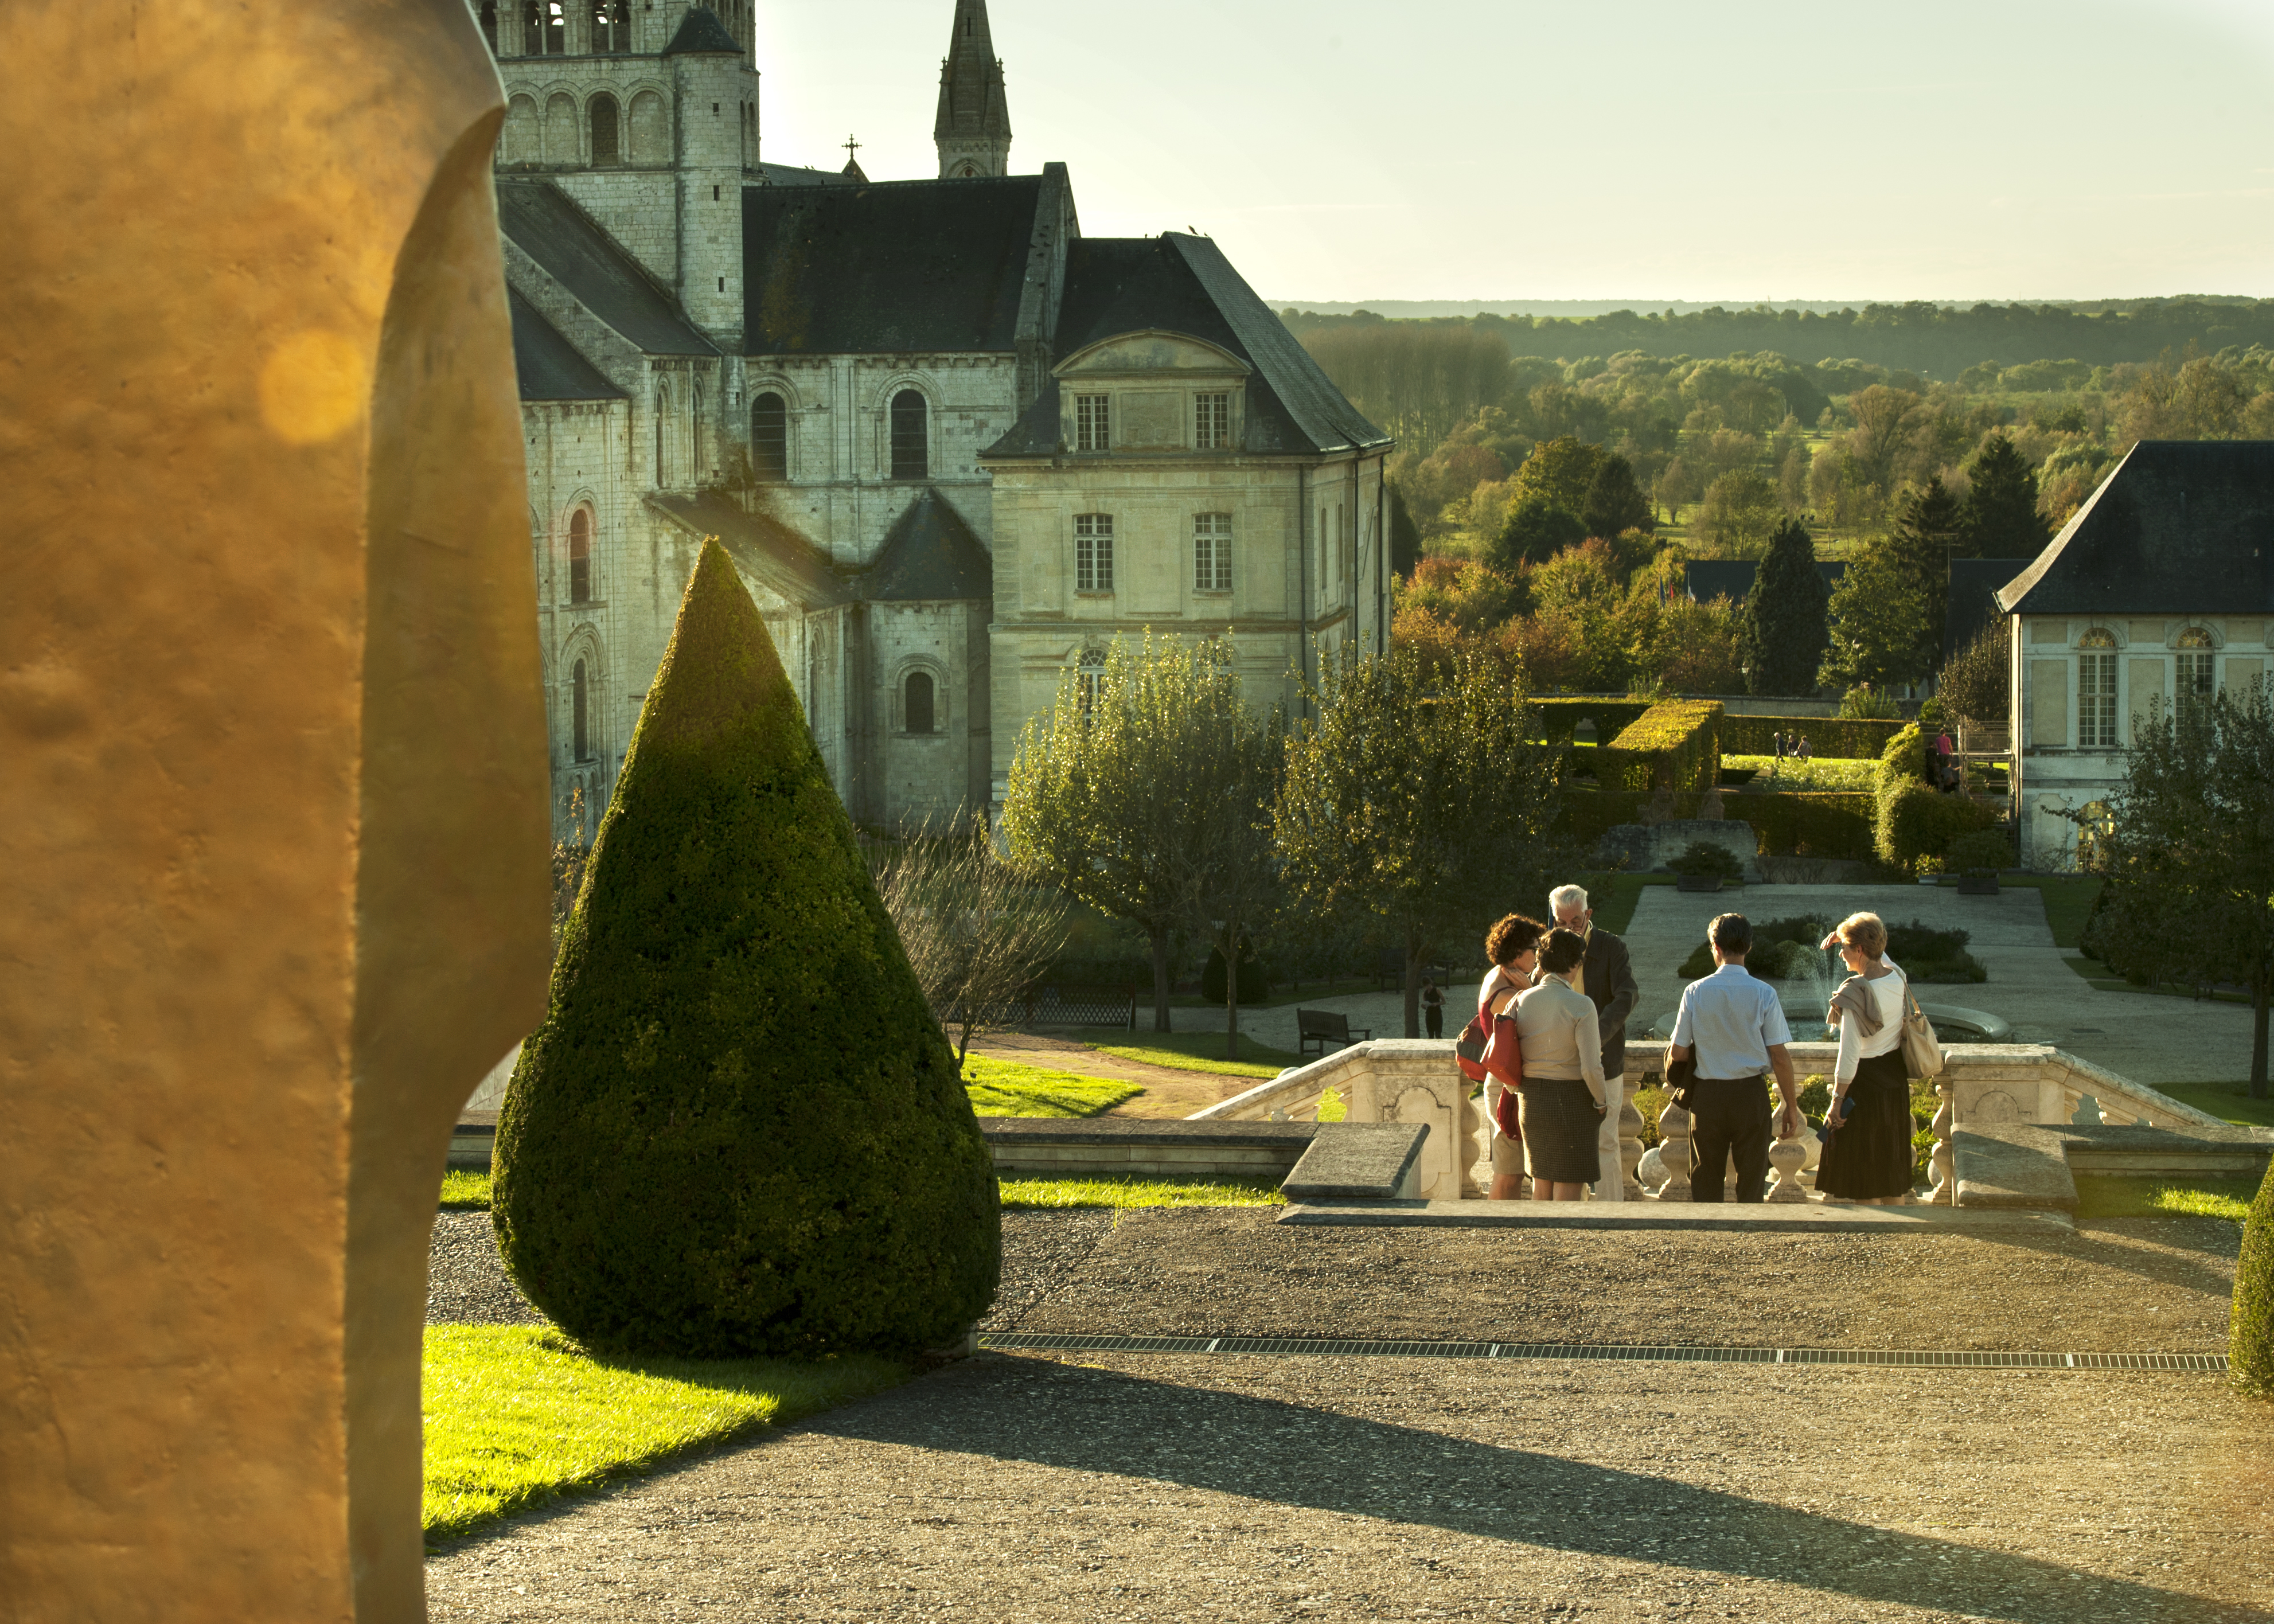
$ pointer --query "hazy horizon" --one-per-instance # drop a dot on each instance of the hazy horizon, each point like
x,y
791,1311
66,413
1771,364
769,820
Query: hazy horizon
x,y
2025,151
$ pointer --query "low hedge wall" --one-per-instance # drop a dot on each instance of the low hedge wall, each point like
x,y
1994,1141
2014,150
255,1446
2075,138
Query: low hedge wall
x,y
1610,716
1850,738
1829,825
1676,744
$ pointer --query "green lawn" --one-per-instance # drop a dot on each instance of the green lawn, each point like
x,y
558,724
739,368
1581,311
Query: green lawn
x,y
1817,773
2106,1197
517,1415
2067,898
2227,1101
1035,1192
465,1191
1007,1088
1189,1051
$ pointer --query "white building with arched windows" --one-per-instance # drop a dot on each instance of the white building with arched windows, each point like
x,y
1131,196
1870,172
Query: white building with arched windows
x,y
954,447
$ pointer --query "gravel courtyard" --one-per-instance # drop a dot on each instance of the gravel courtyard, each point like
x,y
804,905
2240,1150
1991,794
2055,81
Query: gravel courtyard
x,y
1097,1486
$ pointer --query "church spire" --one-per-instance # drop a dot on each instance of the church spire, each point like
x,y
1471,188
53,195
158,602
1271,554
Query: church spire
x,y
973,129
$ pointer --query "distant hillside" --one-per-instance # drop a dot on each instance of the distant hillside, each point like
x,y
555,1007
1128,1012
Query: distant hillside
x,y
1935,341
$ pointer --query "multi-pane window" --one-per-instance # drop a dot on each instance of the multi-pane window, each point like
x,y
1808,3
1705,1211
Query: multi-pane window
x,y
1093,552
1212,553
1090,429
770,436
2195,659
911,449
2096,692
1089,681
1212,421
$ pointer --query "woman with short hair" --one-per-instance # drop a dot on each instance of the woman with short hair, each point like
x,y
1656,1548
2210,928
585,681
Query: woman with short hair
x,y
1513,946
1561,1097
1867,1132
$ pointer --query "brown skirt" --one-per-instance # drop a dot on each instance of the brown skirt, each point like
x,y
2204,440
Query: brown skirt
x,y
1560,1127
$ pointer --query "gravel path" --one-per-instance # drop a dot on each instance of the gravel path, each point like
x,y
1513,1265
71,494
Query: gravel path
x,y
2158,1285
1009,1489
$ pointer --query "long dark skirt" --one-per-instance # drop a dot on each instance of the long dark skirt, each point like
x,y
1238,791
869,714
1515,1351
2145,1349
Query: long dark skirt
x,y
1869,1157
1560,1123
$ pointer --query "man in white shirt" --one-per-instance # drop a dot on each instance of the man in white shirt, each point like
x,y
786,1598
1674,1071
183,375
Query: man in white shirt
x,y
1732,1028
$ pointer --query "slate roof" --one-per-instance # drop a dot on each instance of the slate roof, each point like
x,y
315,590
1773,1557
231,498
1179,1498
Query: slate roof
x,y
547,365
2181,526
701,34
793,174
971,99
766,549
895,266
1707,579
930,555
1973,604
538,218
1183,285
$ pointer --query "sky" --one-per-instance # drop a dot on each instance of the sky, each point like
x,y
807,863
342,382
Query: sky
x,y
1447,149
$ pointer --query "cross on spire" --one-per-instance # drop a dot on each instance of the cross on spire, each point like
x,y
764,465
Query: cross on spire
x,y
851,148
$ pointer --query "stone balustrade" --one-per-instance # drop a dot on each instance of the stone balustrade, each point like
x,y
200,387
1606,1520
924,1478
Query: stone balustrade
x,y
1983,1085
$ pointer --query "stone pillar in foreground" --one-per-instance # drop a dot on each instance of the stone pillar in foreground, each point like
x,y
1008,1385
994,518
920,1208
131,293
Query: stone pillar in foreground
x,y
272,886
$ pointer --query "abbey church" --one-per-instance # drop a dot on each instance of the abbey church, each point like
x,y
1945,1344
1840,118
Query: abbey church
x,y
954,447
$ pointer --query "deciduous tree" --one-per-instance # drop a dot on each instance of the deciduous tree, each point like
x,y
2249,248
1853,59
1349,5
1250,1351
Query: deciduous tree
x,y
1878,622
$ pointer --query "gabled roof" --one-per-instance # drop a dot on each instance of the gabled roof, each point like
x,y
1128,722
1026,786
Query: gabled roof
x,y
1973,604
896,266
2180,527
767,550
1707,579
793,174
547,365
1182,284
538,218
930,555
701,34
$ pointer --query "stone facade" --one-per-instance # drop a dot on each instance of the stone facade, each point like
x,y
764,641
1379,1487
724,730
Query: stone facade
x,y
861,388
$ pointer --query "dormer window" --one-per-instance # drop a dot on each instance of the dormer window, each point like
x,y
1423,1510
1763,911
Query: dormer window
x,y
1090,430
1212,421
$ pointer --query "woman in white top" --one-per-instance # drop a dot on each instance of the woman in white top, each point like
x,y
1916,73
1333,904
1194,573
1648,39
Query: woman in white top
x,y
1867,1138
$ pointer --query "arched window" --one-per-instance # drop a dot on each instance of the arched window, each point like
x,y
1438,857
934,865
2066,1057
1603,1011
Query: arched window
x,y
698,447
579,696
1089,681
650,129
2092,834
612,27
770,436
544,28
2195,662
916,703
911,451
662,434
2096,691
580,557
489,28
607,148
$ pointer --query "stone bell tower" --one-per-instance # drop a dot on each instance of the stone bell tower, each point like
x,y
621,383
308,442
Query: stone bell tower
x,y
973,129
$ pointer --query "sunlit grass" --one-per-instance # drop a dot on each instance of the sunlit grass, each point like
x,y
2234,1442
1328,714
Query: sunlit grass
x,y
1008,1088
1047,1193
2100,1196
465,1190
517,1415
1816,774
2227,1101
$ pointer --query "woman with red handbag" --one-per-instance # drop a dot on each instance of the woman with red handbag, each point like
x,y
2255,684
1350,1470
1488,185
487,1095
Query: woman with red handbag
x,y
1513,946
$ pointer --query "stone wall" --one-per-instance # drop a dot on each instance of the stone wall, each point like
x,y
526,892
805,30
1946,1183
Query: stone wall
x,y
1647,848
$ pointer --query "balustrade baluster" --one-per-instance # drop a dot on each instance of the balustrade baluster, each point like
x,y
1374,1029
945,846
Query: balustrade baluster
x,y
1786,1157
1674,1153
1629,1147
1939,1162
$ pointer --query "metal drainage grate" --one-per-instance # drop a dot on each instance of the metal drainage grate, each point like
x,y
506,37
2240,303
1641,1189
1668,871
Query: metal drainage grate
x,y
1929,1358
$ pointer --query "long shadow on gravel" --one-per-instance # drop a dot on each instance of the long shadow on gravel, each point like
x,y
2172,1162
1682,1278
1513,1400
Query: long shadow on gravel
x,y
1101,1421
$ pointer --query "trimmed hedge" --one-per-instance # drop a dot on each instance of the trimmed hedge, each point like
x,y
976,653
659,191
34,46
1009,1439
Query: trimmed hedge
x,y
1829,824
739,1130
1610,716
1915,824
1850,738
2250,1329
1676,744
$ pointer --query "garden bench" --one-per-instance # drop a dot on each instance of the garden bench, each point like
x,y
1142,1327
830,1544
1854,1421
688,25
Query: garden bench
x,y
1325,1026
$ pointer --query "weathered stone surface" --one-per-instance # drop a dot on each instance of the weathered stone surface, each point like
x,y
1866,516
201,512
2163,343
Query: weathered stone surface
x,y
1379,1161
272,888
2012,1164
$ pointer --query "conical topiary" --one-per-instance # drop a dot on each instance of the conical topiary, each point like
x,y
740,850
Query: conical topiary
x,y
739,1130
2250,1337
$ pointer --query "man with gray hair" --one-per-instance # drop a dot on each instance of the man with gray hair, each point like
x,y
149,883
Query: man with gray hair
x,y
1607,977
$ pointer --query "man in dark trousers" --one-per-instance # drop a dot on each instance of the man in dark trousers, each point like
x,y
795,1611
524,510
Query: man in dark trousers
x,y
1608,977
1733,1028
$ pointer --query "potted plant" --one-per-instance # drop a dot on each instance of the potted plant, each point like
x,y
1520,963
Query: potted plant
x,y
1977,857
1704,866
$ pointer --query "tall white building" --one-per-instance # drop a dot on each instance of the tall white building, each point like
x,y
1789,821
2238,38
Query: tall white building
x,y
954,447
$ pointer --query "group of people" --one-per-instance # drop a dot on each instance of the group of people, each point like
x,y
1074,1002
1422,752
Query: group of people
x,y
1566,990
1783,745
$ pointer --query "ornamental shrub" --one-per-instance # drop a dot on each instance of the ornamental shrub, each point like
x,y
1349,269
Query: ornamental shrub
x,y
1984,851
1676,744
739,1130
1916,825
2250,1329
1706,859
